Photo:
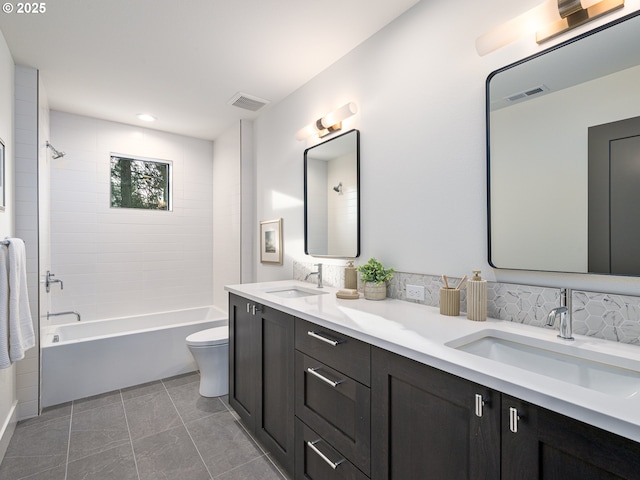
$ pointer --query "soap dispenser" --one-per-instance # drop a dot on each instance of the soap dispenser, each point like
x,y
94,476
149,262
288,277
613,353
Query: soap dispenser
x,y
350,276
477,298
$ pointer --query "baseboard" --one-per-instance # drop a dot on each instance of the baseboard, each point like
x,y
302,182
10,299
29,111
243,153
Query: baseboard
x,y
8,427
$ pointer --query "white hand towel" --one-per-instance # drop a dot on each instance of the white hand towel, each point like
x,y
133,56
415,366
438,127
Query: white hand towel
x,y
21,335
5,361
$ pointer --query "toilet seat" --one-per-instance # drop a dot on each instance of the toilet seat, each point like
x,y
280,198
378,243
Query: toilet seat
x,y
209,337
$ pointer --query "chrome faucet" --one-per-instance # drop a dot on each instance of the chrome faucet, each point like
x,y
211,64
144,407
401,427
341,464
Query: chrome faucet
x,y
565,312
48,281
63,313
318,272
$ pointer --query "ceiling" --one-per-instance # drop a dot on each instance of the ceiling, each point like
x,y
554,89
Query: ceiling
x,y
182,61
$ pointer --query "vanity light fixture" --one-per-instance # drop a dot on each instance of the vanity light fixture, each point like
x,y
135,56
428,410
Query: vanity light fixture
x,y
547,20
146,117
329,123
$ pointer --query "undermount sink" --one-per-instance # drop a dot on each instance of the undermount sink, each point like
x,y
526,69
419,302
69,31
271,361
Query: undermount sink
x,y
617,376
294,292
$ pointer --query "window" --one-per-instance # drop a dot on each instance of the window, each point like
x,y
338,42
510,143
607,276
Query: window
x,y
140,183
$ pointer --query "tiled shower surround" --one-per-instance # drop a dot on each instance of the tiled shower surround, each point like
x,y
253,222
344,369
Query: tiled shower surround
x,y
607,316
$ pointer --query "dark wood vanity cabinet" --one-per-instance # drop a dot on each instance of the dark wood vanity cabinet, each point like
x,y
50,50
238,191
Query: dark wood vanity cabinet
x,y
328,406
540,444
261,361
429,424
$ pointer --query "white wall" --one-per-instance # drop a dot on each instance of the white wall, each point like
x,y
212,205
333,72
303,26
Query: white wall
x,y
8,396
226,213
119,262
419,85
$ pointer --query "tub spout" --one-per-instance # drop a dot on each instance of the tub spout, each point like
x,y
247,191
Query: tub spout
x,y
49,314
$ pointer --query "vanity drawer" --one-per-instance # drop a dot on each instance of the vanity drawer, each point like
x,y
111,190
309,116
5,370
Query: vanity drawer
x,y
317,460
346,354
335,406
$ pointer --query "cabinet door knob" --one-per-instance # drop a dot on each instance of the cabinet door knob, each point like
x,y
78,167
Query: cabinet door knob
x,y
255,309
313,371
480,403
312,446
513,419
248,307
324,339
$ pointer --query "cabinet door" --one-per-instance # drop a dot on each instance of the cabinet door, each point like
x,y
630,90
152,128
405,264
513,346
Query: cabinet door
x,y
275,413
425,423
243,359
547,445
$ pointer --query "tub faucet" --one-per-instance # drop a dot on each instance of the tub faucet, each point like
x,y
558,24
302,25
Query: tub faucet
x,y
565,312
318,272
49,280
62,313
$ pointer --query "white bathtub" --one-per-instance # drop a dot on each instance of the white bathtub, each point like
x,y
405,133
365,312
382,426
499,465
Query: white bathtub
x,y
88,358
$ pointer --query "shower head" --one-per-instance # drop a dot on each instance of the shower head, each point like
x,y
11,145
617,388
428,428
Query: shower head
x,y
56,153
338,188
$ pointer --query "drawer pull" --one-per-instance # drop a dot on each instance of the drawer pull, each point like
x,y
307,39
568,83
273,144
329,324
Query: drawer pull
x,y
313,371
330,341
312,446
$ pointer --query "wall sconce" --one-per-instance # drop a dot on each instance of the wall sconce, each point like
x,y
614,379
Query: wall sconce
x,y
331,122
547,20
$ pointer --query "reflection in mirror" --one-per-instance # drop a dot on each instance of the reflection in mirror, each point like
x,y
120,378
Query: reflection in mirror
x,y
331,197
552,196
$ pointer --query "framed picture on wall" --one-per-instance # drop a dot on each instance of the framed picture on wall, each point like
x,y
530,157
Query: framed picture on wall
x,y
2,183
271,241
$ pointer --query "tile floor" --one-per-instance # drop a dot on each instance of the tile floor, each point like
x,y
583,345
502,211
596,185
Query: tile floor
x,y
162,430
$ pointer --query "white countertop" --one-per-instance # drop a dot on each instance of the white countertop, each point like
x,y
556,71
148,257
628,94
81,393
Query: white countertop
x,y
419,332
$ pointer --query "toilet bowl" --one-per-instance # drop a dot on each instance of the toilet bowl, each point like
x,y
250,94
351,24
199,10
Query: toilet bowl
x,y
210,349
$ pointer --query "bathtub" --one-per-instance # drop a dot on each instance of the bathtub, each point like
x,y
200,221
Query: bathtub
x,y
88,358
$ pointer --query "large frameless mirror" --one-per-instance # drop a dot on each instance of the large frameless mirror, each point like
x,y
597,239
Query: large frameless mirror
x,y
331,197
564,156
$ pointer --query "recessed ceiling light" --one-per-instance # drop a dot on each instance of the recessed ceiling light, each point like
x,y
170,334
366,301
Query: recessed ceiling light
x,y
146,117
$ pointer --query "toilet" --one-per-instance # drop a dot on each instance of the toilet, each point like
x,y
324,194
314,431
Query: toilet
x,y
210,349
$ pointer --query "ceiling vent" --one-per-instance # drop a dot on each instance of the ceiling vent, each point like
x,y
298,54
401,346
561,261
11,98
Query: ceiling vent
x,y
527,93
248,102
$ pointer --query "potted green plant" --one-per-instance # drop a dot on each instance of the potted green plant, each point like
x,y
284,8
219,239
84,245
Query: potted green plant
x,y
375,278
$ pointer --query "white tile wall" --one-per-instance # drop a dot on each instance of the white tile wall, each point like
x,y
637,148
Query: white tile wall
x,y
120,262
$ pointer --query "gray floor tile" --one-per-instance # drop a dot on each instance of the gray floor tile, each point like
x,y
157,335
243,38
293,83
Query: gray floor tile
x,y
191,405
223,443
169,455
150,414
36,447
116,463
57,473
260,468
140,390
181,379
96,401
97,430
49,413
103,428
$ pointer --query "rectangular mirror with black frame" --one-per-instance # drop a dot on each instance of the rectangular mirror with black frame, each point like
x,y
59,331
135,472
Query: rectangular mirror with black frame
x,y
563,156
332,197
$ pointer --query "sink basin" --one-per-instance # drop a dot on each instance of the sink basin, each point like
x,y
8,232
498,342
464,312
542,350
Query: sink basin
x,y
295,292
617,376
